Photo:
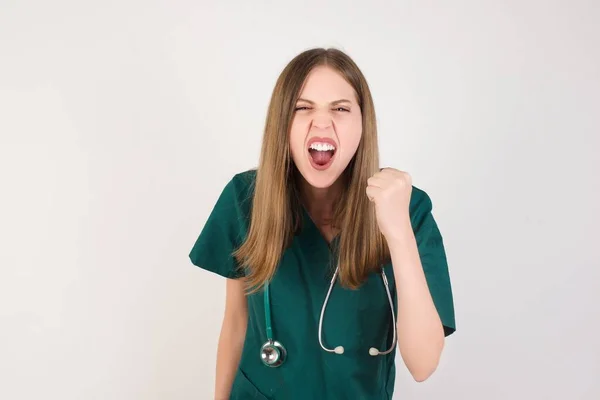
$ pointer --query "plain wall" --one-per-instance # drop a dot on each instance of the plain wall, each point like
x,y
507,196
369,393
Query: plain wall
x,y
121,121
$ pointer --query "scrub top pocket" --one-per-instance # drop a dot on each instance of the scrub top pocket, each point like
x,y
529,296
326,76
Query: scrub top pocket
x,y
243,389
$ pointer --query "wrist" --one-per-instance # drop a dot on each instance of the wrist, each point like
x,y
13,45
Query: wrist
x,y
402,235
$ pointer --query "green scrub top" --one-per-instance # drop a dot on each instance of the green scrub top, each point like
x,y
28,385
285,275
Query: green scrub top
x,y
355,319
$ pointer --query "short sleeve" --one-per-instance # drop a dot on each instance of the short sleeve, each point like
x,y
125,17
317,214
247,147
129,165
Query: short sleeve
x,y
224,230
433,258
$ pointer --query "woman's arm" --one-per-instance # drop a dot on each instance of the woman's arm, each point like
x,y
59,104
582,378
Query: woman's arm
x,y
231,339
420,330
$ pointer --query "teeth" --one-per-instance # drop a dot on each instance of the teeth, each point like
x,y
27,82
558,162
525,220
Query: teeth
x,y
322,146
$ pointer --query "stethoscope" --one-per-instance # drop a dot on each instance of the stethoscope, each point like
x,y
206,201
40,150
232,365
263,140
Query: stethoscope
x,y
273,354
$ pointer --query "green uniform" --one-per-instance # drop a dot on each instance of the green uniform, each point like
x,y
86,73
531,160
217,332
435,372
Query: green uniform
x,y
355,319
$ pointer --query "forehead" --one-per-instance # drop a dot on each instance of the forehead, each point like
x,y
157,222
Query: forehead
x,y
324,84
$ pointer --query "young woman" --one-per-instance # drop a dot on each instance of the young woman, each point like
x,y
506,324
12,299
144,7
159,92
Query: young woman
x,y
332,262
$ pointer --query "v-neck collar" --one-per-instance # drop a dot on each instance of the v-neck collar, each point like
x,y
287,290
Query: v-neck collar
x,y
310,228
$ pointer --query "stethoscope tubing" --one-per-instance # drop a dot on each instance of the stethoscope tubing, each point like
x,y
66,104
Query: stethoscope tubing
x,y
339,349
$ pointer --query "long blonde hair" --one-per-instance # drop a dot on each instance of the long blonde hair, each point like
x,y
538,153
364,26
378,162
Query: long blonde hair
x,y
276,210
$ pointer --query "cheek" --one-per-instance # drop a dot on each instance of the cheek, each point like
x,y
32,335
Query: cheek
x,y
351,133
297,136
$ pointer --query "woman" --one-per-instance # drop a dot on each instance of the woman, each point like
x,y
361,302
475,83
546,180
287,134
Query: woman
x,y
322,250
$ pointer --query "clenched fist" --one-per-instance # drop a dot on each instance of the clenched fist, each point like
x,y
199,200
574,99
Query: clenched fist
x,y
390,190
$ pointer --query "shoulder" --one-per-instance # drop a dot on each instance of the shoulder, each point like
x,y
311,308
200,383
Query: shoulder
x,y
243,182
225,228
420,202
238,193
245,179
240,187
421,211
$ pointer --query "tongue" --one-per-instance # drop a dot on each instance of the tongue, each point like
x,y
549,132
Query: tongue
x,y
321,157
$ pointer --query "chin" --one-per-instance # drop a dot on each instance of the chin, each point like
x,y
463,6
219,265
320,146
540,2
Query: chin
x,y
320,183
320,179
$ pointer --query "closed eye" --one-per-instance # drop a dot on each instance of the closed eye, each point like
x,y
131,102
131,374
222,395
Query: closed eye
x,y
300,108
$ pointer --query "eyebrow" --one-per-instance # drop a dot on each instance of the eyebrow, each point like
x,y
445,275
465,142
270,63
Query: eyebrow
x,y
332,103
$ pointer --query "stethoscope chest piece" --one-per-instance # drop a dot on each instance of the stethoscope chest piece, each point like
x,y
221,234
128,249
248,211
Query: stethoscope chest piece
x,y
272,353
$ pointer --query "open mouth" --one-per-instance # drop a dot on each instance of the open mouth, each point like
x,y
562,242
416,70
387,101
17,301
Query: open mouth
x,y
321,153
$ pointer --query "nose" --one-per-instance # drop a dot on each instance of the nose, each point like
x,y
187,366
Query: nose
x,y
322,120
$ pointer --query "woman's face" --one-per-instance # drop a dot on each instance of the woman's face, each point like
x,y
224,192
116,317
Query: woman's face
x,y
326,127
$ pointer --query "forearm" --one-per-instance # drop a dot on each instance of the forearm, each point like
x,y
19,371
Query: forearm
x,y
420,331
229,352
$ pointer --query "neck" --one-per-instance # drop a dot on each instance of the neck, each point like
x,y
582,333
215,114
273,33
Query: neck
x,y
319,201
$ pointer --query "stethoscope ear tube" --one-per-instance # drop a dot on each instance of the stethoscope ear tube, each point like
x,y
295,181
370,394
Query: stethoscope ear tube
x,y
372,351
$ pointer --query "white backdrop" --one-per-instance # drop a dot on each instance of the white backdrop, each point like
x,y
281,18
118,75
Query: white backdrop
x,y
121,121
